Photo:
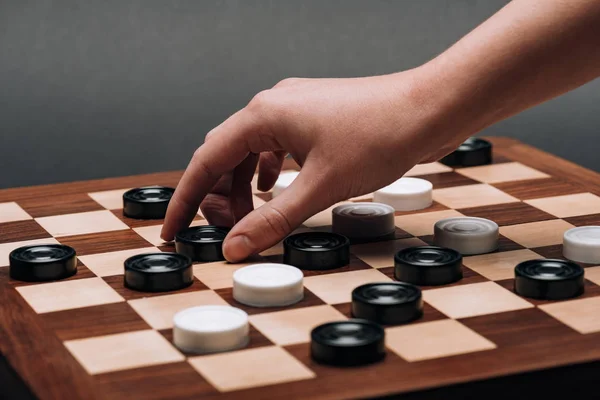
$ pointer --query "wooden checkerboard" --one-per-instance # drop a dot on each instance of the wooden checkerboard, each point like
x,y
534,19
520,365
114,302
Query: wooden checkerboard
x,y
89,337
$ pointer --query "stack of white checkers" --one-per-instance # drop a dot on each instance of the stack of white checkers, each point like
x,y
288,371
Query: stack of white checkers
x,y
467,235
211,329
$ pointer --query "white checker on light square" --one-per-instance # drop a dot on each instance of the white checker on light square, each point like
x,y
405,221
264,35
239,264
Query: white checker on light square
x,y
250,368
123,351
427,169
337,288
294,325
469,196
579,314
109,199
7,248
67,295
158,311
152,233
381,254
81,223
474,299
423,223
503,172
570,205
11,212
435,339
537,234
108,264
219,274
501,265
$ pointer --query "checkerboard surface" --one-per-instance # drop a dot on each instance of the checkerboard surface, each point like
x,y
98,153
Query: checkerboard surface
x,y
120,340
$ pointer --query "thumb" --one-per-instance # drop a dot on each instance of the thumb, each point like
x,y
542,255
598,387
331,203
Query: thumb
x,y
269,224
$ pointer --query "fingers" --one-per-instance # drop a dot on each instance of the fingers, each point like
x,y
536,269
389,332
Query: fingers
x,y
241,188
226,149
269,224
269,168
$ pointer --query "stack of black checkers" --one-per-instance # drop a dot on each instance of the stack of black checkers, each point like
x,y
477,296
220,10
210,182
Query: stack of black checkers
x,y
149,202
472,152
43,262
549,279
202,243
428,265
158,272
316,250
348,343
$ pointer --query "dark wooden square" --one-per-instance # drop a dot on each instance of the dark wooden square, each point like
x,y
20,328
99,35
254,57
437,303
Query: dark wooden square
x,y
429,313
105,242
590,290
93,321
539,188
447,179
309,300
508,214
469,276
116,282
58,204
18,231
82,273
584,220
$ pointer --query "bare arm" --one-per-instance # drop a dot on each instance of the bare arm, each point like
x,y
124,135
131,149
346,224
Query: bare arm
x,y
353,136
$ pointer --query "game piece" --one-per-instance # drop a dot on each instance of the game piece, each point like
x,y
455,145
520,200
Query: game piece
x,y
472,152
428,265
316,250
406,194
582,244
158,272
364,220
210,329
348,343
467,235
43,262
268,285
549,279
284,180
202,243
387,303
148,202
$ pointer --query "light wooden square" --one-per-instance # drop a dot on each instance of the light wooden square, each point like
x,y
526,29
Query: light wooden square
x,y
158,311
66,295
579,314
219,274
501,265
152,233
468,196
592,274
6,248
435,339
537,234
381,254
337,288
428,168
570,205
422,224
250,368
322,218
81,223
474,299
503,172
11,212
107,264
123,351
109,199
294,325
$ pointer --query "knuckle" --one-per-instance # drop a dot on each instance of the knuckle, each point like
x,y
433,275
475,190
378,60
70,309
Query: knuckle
x,y
288,82
260,101
276,221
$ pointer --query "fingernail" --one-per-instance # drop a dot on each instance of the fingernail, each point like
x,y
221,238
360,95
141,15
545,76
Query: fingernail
x,y
237,248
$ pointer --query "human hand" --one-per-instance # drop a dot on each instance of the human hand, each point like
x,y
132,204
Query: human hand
x,y
350,136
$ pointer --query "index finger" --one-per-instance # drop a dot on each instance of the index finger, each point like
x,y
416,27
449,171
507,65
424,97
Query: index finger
x,y
226,149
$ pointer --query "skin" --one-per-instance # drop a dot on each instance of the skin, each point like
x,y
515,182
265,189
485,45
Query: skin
x,y
354,136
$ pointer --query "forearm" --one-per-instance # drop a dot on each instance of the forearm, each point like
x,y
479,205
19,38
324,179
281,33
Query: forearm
x,y
527,53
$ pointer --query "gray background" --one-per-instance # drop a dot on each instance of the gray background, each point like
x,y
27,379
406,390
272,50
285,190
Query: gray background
x,y
116,87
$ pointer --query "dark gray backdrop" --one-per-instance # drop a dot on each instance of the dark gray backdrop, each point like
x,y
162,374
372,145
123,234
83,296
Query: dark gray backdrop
x,y
116,87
